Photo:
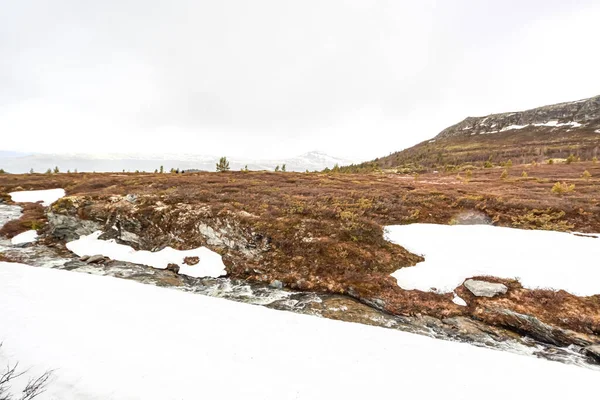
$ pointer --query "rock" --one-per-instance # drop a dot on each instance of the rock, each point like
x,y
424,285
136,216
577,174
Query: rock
x,y
132,198
276,284
96,259
84,258
191,260
173,268
531,326
68,228
485,289
593,352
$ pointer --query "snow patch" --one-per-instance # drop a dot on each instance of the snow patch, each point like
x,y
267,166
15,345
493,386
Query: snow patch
x,y
47,197
210,265
25,237
513,127
539,259
459,301
558,124
108,338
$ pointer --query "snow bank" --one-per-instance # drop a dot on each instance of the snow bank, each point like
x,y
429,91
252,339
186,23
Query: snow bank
x,y
539,259
47,197
108,338
25,237
210,265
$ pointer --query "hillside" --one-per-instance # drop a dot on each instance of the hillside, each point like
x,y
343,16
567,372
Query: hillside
x,y
539,134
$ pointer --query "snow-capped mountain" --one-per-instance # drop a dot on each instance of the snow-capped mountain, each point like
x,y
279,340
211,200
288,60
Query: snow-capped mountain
x,y
21,163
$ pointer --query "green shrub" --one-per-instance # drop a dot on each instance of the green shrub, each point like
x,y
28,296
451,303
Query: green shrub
x,y
586,175
571,159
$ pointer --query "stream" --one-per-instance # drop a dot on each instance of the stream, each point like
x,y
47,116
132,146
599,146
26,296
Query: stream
x,y
50,255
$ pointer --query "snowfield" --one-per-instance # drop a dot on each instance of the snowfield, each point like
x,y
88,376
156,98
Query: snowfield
x,y
210,265
47,197
539,259
115,339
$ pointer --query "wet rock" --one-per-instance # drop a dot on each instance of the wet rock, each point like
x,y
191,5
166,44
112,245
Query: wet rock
x,y
191,260
97,259
276,284
173,268
485,289
531,326
593,352
68,228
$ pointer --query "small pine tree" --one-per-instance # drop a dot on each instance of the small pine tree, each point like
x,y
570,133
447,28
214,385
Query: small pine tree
x,y
48,171
2,171
488,164
509,163
156,171
504,174
524,174
56,170
162,169
68,171
560,188
223,165
283,168
571,159
586,175
277,168
595,160
246,168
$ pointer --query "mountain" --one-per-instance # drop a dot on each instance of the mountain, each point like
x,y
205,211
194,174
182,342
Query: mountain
x,y
554,131
19,163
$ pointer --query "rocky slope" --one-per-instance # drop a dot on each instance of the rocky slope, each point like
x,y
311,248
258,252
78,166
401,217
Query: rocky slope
x,y
554,131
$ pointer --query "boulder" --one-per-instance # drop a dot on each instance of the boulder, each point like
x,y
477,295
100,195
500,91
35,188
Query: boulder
x,y
593,352
84,258
96,259
173,268
485,289
132,198
276,284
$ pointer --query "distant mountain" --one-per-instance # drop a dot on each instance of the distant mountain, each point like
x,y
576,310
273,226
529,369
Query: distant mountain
x,y
554,131
19,163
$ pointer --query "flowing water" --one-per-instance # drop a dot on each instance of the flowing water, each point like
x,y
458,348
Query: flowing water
x,y
337,307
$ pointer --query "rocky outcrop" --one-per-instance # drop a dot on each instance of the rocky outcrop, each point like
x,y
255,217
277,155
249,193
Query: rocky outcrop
x,y
571,115
593,352
531,326
68,228
485,289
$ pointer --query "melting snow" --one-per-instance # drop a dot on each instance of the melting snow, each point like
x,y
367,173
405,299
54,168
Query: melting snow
x,y
108,338
47,197
459,300
556,124
513,127
210,265
25,237
539,259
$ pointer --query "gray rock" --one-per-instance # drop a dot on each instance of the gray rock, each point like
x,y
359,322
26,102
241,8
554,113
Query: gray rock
x,y
173,268
96,259
132,198
276,284
593,352
68,228
84,258
485,289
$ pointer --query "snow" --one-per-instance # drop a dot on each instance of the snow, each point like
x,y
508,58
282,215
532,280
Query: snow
x,y
47,197
25,237
513,127
539,259
210,265
555,123
107,338
459,300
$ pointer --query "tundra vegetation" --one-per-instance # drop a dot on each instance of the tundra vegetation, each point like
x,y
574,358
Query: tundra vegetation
x,y
324,231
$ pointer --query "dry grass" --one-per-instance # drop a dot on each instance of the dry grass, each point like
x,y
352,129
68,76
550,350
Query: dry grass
x,y
325,231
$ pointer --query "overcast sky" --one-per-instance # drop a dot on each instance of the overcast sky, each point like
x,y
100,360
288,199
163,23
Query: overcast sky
x,y
276,78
